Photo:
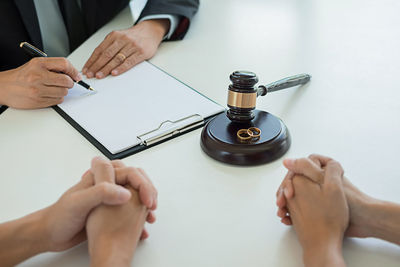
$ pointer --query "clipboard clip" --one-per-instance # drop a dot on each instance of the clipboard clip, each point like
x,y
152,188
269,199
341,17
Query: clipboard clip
x,y
170,128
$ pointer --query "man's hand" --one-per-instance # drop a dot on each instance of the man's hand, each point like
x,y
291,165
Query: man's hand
x,y
121,50
320,215
42,82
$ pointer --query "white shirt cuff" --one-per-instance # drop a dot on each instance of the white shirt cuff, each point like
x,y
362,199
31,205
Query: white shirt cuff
x,y
173,19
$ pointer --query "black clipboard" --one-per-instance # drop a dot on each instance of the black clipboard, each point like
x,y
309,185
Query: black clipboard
x,y
134,149
145,144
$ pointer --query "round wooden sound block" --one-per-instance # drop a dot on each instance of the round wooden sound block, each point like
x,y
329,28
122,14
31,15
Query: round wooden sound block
x,y
219,140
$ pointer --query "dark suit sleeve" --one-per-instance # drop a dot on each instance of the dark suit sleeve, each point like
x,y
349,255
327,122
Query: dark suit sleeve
x,y
184,9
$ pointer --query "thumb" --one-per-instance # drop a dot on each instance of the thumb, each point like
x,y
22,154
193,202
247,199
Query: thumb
x,y
334,173
102,193
62,65
305,167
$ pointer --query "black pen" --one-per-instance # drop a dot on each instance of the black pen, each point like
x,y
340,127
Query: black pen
x,y
35,52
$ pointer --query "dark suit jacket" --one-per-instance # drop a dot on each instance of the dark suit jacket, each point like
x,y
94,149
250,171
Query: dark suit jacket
x,y
19,22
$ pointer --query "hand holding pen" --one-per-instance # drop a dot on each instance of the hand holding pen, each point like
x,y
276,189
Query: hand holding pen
x,y
41,82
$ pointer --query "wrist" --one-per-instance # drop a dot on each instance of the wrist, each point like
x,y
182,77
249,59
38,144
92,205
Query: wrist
x,y
324,254
105,253
114,244
5,84
159,27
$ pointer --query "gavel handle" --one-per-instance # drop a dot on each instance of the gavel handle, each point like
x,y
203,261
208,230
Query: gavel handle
x,y
283,84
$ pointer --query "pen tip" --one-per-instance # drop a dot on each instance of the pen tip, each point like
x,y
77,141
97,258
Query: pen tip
x,y
91,89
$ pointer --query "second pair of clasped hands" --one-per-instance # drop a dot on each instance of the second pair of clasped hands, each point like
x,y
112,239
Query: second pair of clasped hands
x,y
44,82
324,207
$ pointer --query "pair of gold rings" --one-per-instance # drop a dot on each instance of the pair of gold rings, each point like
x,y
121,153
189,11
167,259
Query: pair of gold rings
x,y
251,134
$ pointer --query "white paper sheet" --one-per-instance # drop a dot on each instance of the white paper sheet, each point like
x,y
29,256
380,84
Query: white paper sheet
x,y
132,104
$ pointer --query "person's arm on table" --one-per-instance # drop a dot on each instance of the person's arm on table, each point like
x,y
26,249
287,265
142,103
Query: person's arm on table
x,y
123,49
369,217
41,82
320,216
59,226
62,225
113,232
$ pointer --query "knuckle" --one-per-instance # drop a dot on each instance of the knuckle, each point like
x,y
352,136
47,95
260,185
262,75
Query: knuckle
x,y
63,63
111,34
59,100
299,162
96,159
118,60
108,53
312,156
129,62
140,50
103,164
104,188
65,81
36,61
65,91
297,180
31,78
95,53
132,170
34,91
336,165
127,39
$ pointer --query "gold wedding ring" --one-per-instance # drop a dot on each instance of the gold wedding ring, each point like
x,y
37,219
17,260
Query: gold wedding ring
x,y
256,132
250,134
121,57
243,134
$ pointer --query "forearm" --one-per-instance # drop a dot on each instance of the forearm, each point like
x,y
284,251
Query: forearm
x,y
20,239
383,221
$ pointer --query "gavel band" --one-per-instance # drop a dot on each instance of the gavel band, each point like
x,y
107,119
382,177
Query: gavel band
x,y
242,100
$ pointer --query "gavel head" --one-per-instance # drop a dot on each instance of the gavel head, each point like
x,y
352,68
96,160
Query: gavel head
x,y
242,96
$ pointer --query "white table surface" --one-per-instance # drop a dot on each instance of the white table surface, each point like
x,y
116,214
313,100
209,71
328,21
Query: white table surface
x,y
212,214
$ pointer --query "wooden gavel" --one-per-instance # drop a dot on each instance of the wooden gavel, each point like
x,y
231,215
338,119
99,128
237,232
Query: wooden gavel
x,y
242,94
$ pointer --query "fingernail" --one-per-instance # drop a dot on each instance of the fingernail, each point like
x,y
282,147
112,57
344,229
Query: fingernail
x,y
114,72
99,75
79,77
89,74
84,70
286,192
288,162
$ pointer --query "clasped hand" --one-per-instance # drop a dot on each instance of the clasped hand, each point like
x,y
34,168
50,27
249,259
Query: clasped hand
x,y
104,184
